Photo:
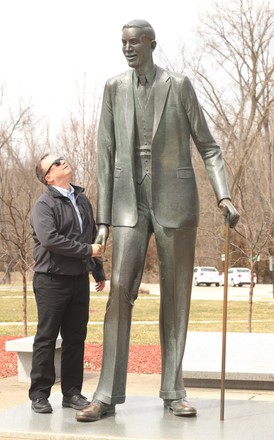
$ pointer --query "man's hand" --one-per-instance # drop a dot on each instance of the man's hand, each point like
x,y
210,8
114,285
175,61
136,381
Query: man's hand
x,y
99,286
97,250
229,211
102,236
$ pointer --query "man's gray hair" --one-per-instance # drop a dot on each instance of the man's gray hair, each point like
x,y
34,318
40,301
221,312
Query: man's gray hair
x,y
39,171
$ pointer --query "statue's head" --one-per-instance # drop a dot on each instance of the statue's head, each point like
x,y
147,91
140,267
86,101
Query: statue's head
x,y
138,40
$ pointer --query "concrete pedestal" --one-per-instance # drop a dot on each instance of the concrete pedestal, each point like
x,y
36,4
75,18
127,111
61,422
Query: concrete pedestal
x,y
143,418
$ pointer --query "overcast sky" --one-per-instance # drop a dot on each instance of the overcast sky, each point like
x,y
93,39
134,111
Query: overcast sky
x,y
49,46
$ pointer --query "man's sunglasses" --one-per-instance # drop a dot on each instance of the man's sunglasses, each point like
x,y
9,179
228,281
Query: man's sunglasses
x,y
56,162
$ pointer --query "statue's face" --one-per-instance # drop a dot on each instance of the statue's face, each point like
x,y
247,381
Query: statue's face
x,y
137,47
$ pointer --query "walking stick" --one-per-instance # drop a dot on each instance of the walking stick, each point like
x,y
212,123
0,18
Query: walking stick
x,y
227,232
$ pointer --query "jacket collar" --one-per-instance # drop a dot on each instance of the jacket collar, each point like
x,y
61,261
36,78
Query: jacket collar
x,y
56,193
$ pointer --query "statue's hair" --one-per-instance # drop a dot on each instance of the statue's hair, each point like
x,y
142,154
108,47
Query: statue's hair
x,y
142,24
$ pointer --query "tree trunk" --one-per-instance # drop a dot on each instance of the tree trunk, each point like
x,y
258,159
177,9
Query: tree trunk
x,y
25,325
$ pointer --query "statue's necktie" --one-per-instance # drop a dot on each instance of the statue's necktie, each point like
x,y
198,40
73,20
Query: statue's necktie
x,y
143,89
142,80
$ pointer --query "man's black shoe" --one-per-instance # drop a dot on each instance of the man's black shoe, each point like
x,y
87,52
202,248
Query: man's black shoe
x,y
76,402
41,405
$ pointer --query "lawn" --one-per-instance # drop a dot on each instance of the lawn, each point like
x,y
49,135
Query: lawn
x,y
205,315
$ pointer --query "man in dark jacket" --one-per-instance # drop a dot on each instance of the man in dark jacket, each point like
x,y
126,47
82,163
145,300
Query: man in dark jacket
x,y
63,231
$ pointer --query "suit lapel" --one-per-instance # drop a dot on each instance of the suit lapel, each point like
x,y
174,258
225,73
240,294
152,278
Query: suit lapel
x,y
127,103
162,86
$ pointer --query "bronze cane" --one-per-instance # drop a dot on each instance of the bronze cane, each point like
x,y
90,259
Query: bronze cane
x,y
227,233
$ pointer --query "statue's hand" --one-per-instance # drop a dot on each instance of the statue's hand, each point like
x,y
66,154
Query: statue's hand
x,y
102,235
229,212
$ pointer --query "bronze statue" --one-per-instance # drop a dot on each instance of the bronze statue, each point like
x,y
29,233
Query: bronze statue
x,y
146,185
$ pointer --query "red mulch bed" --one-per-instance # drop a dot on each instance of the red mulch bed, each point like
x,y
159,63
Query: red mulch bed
x,y
142,358
8,359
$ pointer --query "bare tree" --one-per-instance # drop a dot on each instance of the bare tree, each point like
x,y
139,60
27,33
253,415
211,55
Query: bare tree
x,y
17,198
18,190
234,75
11,125
77,139
16,238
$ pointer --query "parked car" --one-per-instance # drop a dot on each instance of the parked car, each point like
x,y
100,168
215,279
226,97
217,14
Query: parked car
x,y
206,275
238,276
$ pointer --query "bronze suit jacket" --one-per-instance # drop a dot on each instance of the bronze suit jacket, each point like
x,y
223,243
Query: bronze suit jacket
x,y
177,117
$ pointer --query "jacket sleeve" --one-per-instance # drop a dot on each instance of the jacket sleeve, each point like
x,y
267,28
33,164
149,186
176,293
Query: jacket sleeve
x,y
95,265
209,150
97,270
44,226
105,159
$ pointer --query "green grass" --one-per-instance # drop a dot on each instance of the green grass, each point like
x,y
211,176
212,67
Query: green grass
x,y
204,316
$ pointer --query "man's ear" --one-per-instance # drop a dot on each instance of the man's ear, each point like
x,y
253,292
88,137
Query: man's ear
x,y
49,179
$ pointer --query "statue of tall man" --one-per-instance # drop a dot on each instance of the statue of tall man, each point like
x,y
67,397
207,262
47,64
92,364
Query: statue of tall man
x,y
146,185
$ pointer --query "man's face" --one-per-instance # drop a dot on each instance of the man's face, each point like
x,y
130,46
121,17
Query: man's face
x,y
137,48
56,169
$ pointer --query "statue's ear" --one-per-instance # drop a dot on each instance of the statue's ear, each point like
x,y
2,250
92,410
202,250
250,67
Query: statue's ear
x,y
153,44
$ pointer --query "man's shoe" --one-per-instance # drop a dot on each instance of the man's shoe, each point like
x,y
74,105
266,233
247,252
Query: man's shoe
x,y
76,402
180,407
41,405
95,411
